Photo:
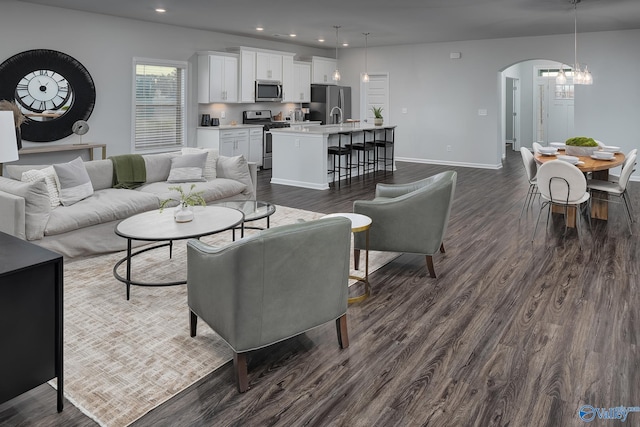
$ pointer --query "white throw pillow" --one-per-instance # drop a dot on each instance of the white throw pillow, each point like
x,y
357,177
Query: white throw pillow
x,y
74,180
236,168
187,168
210,164
50,179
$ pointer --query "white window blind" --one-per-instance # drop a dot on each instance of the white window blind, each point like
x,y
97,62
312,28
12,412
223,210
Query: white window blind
x,y
159,104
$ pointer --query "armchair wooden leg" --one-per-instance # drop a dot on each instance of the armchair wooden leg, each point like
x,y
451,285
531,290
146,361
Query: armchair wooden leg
x,y
240,370
341,328
442,247
356,259
193,323
432,271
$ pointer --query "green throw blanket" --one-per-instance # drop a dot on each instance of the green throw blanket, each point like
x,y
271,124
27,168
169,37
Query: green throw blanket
x,y
129,171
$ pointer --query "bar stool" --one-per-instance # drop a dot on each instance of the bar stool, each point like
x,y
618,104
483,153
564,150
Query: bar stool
x,y
386,145
368,150
336,152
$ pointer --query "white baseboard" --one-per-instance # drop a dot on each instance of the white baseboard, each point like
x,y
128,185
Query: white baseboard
x,y
447,163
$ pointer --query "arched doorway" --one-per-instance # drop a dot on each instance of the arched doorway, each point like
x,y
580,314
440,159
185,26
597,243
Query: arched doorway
x,y
536,109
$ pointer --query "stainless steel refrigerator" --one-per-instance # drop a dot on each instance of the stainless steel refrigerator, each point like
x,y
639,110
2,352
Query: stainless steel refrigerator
x,y
324,98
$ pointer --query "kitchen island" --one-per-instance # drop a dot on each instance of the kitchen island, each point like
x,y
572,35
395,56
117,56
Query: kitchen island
x,y
300,156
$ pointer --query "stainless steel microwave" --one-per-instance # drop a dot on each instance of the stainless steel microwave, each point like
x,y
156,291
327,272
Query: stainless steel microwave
x,y
268,90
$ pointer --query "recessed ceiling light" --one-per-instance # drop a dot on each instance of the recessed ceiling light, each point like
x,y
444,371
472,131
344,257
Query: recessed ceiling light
x,y
259,29
345,44
321,40
161,10
292,35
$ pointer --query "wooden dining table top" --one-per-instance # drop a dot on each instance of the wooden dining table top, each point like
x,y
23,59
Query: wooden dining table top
x,y
589,163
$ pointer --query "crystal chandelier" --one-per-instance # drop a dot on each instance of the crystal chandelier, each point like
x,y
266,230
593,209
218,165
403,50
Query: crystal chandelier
x,y
581,76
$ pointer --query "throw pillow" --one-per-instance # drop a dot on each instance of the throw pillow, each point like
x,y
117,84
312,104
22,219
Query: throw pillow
x,y
238,169
187,168
75,184
210,164
50,179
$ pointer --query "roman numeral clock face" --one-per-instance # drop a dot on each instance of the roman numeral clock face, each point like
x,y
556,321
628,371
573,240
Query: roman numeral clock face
x,y
43,90
53,90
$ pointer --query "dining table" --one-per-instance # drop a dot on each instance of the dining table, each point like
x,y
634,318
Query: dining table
x,y
599,169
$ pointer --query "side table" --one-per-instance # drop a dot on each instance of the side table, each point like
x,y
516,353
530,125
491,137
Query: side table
x,y
31,282
359,223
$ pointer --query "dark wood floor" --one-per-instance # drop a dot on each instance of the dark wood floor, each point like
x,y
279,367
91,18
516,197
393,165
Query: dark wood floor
x,y
510,333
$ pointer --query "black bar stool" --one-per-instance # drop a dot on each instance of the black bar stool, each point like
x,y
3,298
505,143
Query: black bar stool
x,y
386,146
368,151
336,152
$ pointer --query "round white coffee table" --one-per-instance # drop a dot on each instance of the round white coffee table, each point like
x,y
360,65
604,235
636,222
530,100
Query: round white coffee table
x,y
154,226
359,223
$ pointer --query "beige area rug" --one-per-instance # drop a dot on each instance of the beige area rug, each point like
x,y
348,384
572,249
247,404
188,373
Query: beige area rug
x,y
123,358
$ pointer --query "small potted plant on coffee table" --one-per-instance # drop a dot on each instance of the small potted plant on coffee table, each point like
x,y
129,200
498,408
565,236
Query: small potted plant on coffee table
x,y
377,116
580,146
186,200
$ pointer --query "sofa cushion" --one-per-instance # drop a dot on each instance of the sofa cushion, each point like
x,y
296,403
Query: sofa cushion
x,y
236,168
105,205
37,204
158,166
187,168
75,184
47,174
210,164
101,173
219,188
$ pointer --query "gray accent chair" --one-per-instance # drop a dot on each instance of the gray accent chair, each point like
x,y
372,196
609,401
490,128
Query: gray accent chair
x,y
271,286
408,218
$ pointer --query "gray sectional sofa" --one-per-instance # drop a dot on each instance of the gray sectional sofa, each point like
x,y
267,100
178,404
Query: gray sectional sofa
x,y
87,227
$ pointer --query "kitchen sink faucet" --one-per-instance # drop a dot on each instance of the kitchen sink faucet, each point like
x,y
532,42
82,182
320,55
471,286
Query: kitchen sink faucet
x,y
340,114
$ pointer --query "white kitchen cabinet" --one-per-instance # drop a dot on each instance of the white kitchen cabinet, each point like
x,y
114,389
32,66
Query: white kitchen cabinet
x,y
255,145
217,78
322,70
247,76
268,66
234,142
288,81
246,141
302,81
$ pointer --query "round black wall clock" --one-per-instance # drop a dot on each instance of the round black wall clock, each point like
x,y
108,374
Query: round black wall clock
x,y
52,89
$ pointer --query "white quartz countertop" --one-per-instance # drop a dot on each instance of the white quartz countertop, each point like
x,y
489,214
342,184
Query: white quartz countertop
x,y
331,129
226,127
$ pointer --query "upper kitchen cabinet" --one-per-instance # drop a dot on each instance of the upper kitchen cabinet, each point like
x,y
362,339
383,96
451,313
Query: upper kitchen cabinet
x,y
247,75
217,77
322,70
299,87
268,66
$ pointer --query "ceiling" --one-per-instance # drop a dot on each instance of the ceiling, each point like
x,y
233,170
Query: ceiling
x,y
388,22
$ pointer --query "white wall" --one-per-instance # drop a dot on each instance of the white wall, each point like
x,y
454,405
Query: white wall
x,y
443,96
106,46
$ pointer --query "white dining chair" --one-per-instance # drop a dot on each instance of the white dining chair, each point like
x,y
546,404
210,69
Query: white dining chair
x,y
614,178
531,169
562,184
617,189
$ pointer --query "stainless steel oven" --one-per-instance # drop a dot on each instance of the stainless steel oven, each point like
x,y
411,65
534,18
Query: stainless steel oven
x,y
263,117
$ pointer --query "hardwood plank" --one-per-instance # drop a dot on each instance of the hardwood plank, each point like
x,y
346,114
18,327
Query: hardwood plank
x,y
512,332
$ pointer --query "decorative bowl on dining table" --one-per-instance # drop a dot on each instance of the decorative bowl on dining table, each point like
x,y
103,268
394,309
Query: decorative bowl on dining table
x,y
603,155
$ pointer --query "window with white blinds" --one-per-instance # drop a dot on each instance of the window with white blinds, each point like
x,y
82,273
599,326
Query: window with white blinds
x,y
159,104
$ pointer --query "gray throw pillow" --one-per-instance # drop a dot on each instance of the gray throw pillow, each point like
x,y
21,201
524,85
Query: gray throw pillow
x,y
187,168
238,169
75,184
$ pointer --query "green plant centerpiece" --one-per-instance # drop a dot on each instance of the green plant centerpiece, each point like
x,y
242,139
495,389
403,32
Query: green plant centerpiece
x,y
377,116
580,146
186,200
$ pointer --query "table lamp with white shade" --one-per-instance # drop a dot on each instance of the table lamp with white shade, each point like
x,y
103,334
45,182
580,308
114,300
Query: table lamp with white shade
x,y
8,143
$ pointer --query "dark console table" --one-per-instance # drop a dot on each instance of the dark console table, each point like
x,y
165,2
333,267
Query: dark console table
x,y
31,280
